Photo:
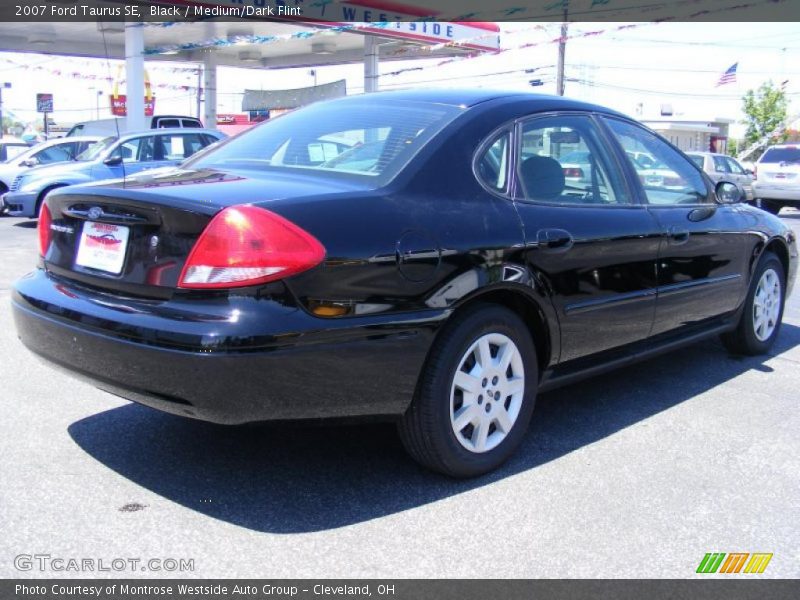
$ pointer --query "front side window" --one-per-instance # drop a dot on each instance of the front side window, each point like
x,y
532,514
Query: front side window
x,y
561,161
53,154
135,150
671,178
698,159
734,166
720,164
492,165
96,149
354,138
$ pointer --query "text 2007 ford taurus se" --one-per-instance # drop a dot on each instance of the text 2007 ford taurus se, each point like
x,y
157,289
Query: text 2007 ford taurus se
x,y
426,256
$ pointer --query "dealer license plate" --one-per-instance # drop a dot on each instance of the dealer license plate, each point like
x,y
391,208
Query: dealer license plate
x,y
102,247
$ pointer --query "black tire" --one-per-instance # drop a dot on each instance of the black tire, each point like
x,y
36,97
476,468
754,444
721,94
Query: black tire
x,y
771,206
743,339
426,430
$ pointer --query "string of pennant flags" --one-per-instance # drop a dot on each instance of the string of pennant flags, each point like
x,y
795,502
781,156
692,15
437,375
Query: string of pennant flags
x,y
354,27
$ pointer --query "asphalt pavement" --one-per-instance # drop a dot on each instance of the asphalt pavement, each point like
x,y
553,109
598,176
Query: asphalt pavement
x,y
638,473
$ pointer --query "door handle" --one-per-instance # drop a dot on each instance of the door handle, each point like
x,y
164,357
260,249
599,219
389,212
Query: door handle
x,y
554,240
678,235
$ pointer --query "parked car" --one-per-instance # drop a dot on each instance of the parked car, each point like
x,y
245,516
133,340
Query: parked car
x,y
53,151
720,167
11,147
111,158
438,283
777,182
114,126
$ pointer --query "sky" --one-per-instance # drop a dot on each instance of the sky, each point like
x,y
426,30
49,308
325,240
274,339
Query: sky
x,y
635,70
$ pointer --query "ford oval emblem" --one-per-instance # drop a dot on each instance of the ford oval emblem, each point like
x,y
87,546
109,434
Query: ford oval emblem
x,y
95,212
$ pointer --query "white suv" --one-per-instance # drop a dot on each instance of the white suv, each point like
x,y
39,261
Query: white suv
x,y
777,181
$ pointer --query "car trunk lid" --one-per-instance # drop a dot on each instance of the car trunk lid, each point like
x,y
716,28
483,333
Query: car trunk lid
x,y
134,237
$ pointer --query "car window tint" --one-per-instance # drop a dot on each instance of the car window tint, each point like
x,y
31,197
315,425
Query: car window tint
x,y
191,123
698,159
787,154
180,146
671,179
561,161
128,150
165,123
492,165
52,154
372,138
734,166
720,164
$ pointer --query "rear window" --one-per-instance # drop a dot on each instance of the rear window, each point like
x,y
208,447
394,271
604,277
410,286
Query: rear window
x,y
366,138
790,154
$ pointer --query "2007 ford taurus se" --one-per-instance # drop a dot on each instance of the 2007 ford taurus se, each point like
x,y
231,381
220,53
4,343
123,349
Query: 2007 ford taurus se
x,y
435,257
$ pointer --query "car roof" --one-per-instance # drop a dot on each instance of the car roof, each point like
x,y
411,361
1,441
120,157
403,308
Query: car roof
x,y
469,97
162,130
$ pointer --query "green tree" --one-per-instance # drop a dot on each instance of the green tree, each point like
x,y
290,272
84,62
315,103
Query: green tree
x,y
765,111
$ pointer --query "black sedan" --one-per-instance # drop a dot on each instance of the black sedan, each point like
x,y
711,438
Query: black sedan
x,y
423,256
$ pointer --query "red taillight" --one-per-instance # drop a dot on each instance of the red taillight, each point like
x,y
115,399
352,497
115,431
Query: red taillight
x,y
573,172
45,219
246,245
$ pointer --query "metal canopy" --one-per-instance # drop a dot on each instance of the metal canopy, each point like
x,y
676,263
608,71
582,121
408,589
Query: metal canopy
x,y
325,48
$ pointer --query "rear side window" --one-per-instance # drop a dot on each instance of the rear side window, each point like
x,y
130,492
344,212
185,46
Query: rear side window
x,y
191,123
166,123
562,161
492,165
788,154
179,146
671,178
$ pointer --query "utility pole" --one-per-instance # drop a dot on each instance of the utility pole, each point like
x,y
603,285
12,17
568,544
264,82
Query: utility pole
x,y
562,49
199,88
5,85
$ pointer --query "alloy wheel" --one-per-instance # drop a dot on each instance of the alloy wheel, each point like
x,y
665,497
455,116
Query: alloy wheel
x,y
766,305
487,392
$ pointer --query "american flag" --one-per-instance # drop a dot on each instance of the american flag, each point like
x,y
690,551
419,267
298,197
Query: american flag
x,y
728,76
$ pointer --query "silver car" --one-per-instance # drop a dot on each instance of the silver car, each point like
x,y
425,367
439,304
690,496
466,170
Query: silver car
x,y
778,178
720,167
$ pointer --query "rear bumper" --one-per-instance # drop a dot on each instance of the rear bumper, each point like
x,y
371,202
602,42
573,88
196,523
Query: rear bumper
x,y
265,361
771,191
20,204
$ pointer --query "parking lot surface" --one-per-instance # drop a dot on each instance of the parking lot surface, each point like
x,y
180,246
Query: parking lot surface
x,y
638,473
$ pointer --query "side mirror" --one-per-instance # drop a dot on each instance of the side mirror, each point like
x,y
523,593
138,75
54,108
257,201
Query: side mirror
x,y
728,193
750,172
30,162
113,161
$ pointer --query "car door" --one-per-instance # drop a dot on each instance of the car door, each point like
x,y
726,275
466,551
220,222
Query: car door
x,y
702,261
589,241
740,177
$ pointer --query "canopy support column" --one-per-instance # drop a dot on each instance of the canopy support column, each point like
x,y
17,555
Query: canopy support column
x,y
134,77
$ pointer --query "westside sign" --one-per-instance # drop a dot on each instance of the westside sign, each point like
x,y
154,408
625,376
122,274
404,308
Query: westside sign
x,y
390,19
